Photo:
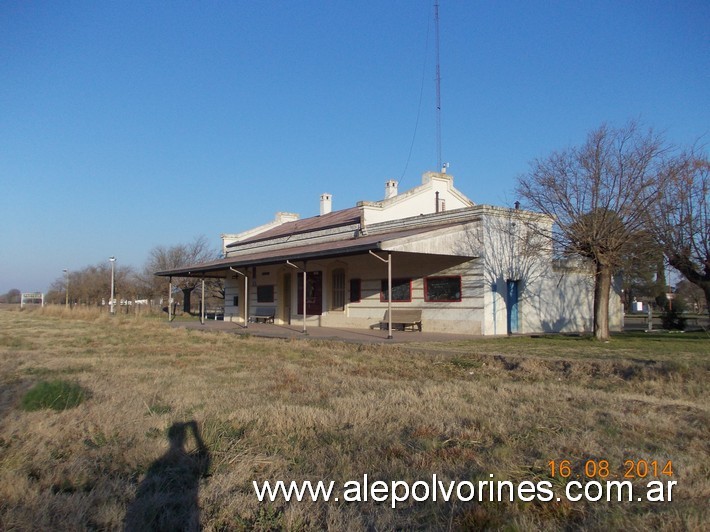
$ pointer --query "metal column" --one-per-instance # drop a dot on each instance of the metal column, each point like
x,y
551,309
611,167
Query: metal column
x,y
305,312
305,308
202,304
245,298
389,290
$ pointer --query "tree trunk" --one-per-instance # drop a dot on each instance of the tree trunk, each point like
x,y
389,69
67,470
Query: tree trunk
x,y
700,279
602,287
186,299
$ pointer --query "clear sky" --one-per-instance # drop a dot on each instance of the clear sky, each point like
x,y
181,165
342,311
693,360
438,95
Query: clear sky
x,y
125,125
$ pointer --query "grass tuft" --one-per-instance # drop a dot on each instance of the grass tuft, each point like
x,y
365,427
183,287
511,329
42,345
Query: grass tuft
x,y
57,395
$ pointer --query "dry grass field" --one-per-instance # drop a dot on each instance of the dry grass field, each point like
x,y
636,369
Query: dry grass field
x,y
316,410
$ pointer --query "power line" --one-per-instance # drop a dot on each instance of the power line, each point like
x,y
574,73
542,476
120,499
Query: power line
x,y
419,106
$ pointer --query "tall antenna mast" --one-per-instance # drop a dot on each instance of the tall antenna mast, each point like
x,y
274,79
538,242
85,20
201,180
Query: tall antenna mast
x,y
438,89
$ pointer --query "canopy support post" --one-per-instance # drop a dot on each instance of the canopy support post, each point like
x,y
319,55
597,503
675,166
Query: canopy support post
x,y
245,298
389,290
304,270
202,304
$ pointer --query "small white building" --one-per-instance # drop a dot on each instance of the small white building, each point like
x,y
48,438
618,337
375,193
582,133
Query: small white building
x,y
467,268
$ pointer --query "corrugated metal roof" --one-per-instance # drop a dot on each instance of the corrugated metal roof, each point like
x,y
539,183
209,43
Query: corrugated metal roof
x,y
325,221
346,246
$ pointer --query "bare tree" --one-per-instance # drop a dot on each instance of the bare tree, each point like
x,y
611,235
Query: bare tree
x,y
598,194
167,258
12,296
92,285
680,220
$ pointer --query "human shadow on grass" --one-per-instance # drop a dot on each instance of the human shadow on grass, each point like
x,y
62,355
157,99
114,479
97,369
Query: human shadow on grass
x,y
167,499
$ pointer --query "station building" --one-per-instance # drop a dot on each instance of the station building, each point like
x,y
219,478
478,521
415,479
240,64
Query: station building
x,y
464,268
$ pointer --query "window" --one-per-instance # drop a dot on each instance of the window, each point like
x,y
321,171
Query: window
x,y
355,296
265,293
401,290
442,289
338,289
235,301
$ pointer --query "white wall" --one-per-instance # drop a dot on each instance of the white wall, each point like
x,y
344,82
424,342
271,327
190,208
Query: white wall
x,y
416,201
464,316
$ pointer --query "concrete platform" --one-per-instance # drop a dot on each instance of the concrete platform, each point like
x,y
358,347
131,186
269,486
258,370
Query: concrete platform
x,y
267,330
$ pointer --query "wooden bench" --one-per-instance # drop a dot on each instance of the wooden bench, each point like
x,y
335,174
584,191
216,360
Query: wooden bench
x,y
265,314
403,318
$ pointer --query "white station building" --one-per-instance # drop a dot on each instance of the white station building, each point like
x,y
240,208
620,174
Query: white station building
x,y
462,267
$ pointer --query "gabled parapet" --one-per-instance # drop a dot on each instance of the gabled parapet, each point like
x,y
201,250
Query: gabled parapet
x,y
436,194
279,219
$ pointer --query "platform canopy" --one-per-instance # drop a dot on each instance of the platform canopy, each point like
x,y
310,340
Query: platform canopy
x,y
443,239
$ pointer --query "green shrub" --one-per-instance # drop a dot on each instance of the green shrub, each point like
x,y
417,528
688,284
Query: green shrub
x,y
672,317
56,394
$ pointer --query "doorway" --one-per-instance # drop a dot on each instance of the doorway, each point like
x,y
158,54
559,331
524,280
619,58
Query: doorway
x,y
513,293
314,293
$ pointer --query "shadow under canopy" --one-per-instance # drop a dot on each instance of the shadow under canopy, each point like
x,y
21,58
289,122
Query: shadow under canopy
x,y
167,498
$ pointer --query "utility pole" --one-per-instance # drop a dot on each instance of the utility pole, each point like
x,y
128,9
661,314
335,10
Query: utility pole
x,y
66,288
112,260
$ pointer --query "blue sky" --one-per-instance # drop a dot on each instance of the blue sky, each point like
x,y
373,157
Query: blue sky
x,y
125,125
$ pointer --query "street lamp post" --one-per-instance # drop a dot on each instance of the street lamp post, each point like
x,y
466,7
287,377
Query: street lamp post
x,y
112,260
66,288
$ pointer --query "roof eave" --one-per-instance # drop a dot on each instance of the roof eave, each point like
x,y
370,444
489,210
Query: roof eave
x,y
197,271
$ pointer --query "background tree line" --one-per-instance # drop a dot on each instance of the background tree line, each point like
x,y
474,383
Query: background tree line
x,y
91,285
11,296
